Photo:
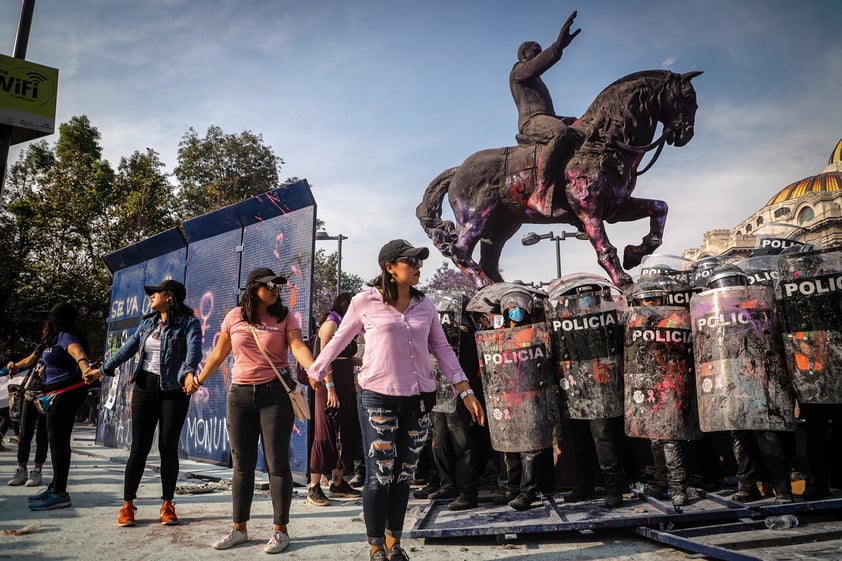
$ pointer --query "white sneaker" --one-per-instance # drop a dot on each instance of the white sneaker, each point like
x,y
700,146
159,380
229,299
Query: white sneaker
x,y
234,537
34,478
19,478
277,543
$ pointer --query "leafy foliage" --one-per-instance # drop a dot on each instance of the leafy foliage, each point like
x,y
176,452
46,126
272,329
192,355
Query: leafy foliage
x,y
324,282
65,208
223,169
446,278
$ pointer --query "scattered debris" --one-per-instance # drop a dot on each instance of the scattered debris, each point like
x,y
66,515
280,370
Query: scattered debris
x,y
202,488
28,529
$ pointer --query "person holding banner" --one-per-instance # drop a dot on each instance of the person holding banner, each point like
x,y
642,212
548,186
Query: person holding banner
x,y
397,386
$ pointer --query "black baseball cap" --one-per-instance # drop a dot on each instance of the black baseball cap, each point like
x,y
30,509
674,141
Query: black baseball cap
x,y
400,248
263,275
172,286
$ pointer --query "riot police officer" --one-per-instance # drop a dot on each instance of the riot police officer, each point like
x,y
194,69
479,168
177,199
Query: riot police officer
x,y
587,336
659,384
755,447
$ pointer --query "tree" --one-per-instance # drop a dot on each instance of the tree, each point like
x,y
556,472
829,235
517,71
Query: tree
x,y
446,278
324,282
58,202
221,169
145,202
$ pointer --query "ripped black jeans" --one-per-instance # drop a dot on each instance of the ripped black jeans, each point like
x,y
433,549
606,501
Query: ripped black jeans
x,y
394,432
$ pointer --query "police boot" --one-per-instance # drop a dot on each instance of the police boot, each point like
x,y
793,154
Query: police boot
x,y
578,494
746,493
783,492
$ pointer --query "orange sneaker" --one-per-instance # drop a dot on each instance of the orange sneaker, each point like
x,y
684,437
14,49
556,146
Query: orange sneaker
x,y
127,514
168,517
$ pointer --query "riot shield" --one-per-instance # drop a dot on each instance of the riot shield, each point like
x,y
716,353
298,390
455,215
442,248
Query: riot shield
x,y
761,270
449,307
587,337
521,396
810,300
660,387
658,264
741,377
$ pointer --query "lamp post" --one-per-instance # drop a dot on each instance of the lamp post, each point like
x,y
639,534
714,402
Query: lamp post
x,y
322,235
531,238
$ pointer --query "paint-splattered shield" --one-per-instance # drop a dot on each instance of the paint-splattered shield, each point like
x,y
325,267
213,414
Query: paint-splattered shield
x,y
660,386
761,270
449,307
521,395
741,377
810,298
586,330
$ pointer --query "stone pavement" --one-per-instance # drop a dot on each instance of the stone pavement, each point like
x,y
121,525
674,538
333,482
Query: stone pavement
x,y
88,529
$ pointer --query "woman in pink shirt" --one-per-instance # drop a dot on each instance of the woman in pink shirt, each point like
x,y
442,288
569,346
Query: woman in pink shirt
x,y
258,404
401,329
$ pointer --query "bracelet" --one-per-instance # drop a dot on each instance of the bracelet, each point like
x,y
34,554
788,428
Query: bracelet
x,y
83,358
466,393
329,384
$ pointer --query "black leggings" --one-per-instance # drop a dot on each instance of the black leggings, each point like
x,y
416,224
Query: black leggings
x,y
32,423
152,406
60,418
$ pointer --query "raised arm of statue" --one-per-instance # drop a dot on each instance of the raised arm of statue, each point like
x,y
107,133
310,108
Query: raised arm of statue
x,y
532,61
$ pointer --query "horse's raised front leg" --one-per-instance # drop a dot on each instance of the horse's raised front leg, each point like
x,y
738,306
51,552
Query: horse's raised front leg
x,y
635,209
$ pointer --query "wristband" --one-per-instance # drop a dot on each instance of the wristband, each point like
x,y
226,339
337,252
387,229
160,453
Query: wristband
x,y
83,358
466,393
329,384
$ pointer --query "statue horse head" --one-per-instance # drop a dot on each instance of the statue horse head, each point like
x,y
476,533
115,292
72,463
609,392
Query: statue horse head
x,y
489,192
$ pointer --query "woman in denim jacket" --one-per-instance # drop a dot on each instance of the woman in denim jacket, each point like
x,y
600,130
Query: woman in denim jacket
x,y
168,345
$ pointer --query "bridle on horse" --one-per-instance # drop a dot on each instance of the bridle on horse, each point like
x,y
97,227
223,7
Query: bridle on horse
x,y
643,149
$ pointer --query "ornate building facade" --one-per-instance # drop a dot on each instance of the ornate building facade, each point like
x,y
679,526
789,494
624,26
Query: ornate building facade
x,y
808,211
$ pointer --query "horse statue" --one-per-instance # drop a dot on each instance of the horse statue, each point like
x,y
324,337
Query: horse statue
x,y
489,192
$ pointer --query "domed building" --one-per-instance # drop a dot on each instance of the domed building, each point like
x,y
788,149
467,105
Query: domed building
x,y
808,211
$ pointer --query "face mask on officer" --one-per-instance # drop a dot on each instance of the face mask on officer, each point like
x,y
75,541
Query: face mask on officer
x,y
517,314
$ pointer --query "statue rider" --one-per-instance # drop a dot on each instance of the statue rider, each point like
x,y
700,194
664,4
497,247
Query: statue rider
x,y
537,121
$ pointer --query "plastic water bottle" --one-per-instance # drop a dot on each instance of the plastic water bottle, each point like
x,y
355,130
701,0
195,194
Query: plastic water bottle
x,y
781,522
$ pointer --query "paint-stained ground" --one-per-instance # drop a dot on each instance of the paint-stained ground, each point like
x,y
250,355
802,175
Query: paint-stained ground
x,y
88,529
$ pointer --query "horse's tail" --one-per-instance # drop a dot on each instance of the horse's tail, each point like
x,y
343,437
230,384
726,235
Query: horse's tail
x,y
428,212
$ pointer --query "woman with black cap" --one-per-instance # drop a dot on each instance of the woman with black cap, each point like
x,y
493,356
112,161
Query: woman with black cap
x,y
65,357
260,329
401,329
168,345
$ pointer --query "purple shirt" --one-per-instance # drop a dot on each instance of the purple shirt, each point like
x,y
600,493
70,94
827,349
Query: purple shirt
x,y
397,346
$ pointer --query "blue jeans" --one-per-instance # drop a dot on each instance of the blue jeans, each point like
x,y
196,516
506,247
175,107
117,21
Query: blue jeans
x,y
394,433
254,411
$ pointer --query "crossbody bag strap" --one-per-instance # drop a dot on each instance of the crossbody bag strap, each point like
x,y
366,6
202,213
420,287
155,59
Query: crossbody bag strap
x,y
266,356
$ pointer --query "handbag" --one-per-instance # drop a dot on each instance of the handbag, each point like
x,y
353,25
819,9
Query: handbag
x,y
45,400
296,397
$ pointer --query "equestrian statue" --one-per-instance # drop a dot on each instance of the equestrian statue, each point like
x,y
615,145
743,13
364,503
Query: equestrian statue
x,y
563,170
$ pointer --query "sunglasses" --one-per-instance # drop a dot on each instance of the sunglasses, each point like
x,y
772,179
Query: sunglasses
x,y
272,285
412,261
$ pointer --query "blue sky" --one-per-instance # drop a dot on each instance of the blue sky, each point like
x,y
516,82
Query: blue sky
x,y
370,100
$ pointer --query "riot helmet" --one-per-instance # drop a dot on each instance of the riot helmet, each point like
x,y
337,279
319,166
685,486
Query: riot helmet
x,y
516,305
727,275
704,267
655,291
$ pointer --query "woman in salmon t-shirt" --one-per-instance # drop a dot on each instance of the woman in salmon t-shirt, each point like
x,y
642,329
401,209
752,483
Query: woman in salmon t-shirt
x,y
257,401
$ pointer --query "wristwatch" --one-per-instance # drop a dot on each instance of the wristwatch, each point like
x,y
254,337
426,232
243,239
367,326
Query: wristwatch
x,y
466,393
